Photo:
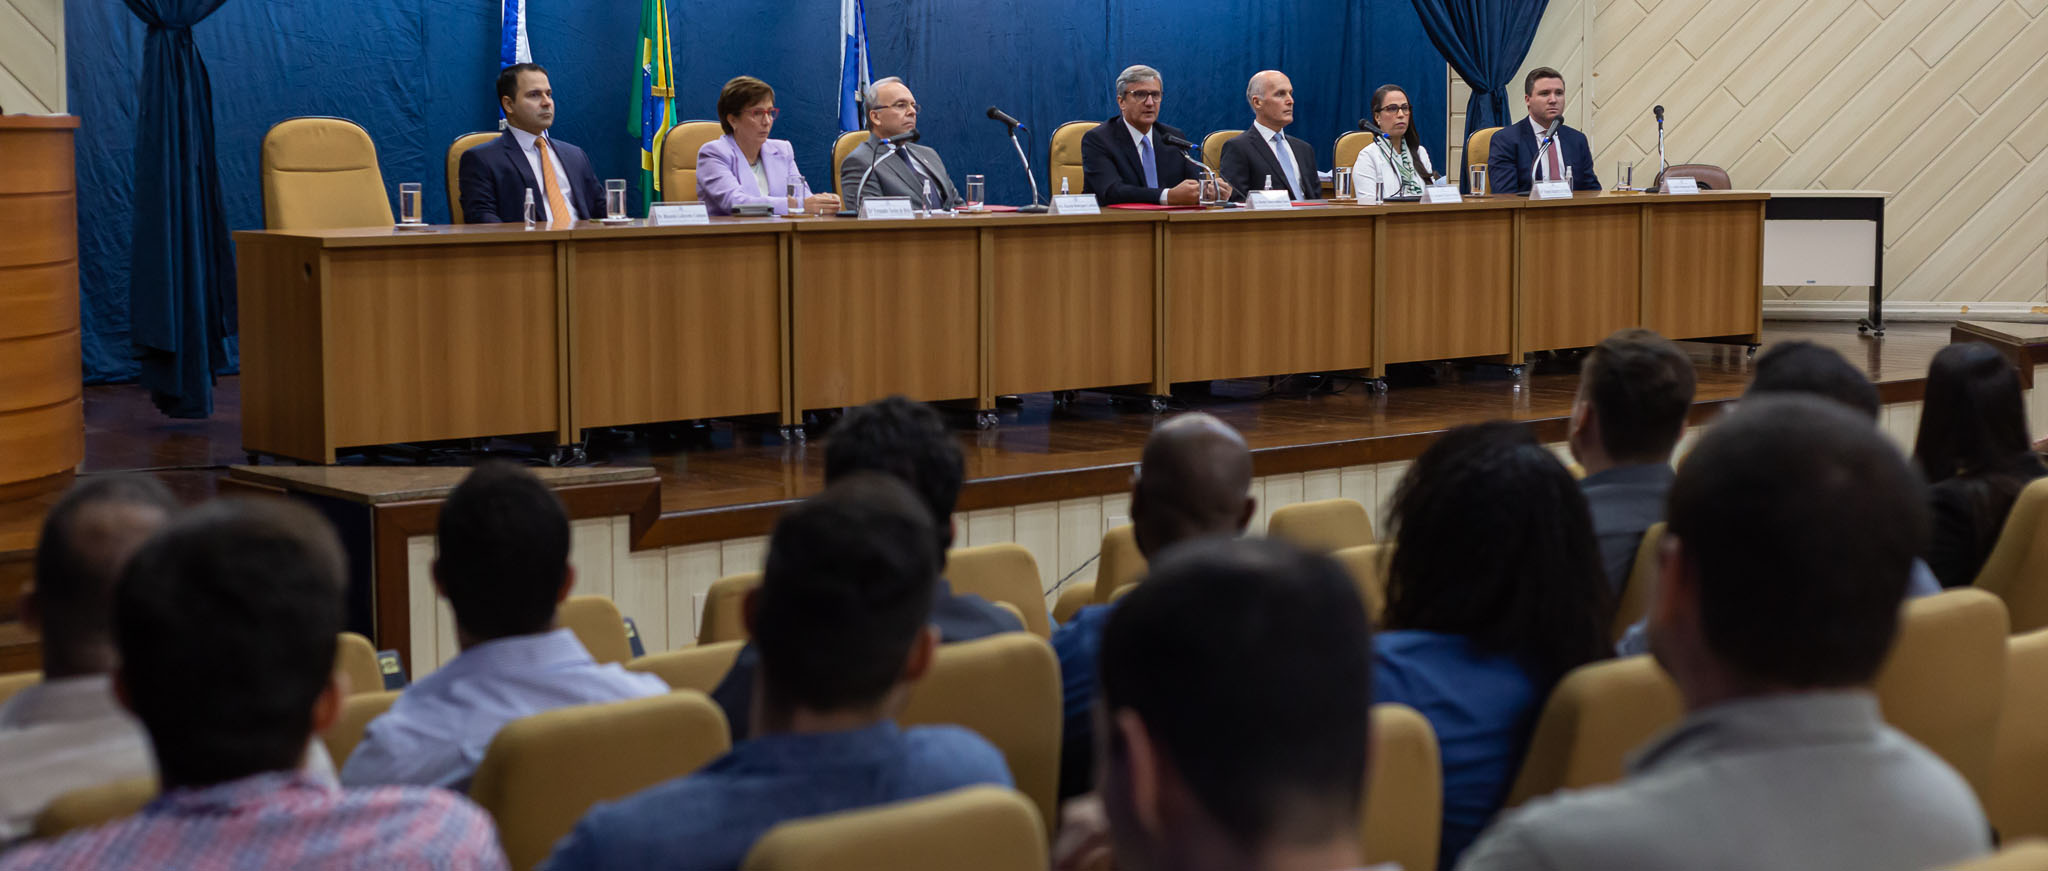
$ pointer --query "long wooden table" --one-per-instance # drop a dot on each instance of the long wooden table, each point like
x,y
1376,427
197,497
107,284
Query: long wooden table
x,y
373,336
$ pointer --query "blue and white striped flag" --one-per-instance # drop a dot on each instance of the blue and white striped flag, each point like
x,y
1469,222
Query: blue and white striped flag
x,y
512,45
853,65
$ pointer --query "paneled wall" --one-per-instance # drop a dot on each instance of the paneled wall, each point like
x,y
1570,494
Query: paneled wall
x,y
32,56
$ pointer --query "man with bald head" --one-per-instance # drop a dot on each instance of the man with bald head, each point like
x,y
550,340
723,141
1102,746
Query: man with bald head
x,y
1265,151
1194,481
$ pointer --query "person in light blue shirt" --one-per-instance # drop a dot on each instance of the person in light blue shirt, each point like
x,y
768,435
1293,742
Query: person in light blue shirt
x,y
842,620
503,564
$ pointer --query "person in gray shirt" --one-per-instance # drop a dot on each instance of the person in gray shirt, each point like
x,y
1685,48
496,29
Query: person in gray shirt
x,y
1791,530
1634,391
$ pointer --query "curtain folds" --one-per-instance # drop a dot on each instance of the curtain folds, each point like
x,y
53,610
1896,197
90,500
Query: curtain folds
x,y
1486,42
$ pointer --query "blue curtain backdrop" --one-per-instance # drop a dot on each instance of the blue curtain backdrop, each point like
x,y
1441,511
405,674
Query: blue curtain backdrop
x,y
1486,42
418,73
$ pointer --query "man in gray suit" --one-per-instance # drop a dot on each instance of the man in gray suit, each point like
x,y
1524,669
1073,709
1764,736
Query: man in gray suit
x,y
1792,529
905,170
1634,391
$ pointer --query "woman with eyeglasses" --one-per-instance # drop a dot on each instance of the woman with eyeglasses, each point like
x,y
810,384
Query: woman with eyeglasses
x,y
745,167
1397,163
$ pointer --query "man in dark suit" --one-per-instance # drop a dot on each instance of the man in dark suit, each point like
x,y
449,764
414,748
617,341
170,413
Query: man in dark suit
x,y
1512,166
496,175
1126,159
1254,156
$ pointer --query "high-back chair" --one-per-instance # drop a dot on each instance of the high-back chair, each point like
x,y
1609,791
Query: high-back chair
x,y
321,173
16,682
987,828
357,658
1323,526
2027,855
697,668
1006,688
1348,146
725,603
1944,680
1065,154
1404,796
543,772
2017,569
679,158
1001,573
347,730
1121,562
1708,176
1212,148
461,144
598,624
842,147
1634,600
2016,802
1477,147
1596,715
93,806
1367,564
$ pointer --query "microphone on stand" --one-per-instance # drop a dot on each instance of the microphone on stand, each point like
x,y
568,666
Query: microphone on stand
x,y
1549,137
1014,125
1000,115
893,144
1661,165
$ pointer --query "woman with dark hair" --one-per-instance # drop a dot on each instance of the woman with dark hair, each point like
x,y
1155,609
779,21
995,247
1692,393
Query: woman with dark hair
x,y
1400,167
1975,453
1494,591
745,167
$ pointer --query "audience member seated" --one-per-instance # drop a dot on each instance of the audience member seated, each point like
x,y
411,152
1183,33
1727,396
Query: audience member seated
x,y
1974,451
1494,591
225,623
1634,391
1235,709
841,626
503,565
1792,528
905,440
1193,480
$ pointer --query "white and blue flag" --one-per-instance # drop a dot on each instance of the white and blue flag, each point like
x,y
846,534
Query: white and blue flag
x,y
853,64
512,45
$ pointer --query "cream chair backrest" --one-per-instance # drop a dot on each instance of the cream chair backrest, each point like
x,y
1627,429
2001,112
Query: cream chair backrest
x,y
987,828
1001,573
2017,569
1212,148
347,731
1595,717
1348,146
322,173
725,617
1944,680
1367,564
357,658
93,806
2017,804
1477,148
1121,562
461,144
1065,160
16,682
679,159
842,147
1323,526
1404,796
1642,575
698,668
1006,688
598,624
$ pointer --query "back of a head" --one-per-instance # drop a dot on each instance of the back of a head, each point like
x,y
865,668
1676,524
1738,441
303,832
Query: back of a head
x,y
1640,386
1194,480
503,552
1804,367
225,622
1494,542
1975,417
848,586
1802,523
907,440
86,539
1249,661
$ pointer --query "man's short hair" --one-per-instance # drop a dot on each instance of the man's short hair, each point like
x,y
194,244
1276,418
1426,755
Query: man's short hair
x,y
503,551
225,622
848,586
905,439
737,95
1132,75
74,578
872,95
508,79
1250,663
1802,523
1640,386
1804,367
1536,75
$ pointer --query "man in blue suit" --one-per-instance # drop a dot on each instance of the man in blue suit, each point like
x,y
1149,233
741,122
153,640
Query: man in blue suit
x,y
496,175
1512,164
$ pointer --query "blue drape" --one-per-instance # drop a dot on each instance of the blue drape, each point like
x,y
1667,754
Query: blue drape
x,y
1485,41
182,269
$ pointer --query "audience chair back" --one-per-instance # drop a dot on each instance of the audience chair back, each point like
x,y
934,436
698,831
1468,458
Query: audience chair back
x,y
679,158
2028,855
1065,157
322,173
599,625
842,147
93,806
725,616
1007,689
987,828
1478,147
1404,795
461,144
1073,597
1121,562
2017,569
1212,150
1595,717
1634,601
357,658
2017,804
16,682
1348,146
1368,567
1323,526
356,713
1709,176
1002,573
543,772
1945,677
697,668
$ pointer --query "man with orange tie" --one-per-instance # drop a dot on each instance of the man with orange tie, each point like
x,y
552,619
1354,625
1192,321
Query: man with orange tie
x,y
496,175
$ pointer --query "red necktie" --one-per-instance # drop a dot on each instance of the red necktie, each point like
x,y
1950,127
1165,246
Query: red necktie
x,y
1556,168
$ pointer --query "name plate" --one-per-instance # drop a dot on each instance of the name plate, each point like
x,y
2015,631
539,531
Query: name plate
x,y
677,214
1552,190
1269,199
1677,185
886,208
1075,204
1441,193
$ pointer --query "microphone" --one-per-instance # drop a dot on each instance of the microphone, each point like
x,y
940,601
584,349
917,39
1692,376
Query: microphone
x,y
1185,147
1662,167
1366,125
903,138
1656,110
1014,125
893,144
1549,137
996,114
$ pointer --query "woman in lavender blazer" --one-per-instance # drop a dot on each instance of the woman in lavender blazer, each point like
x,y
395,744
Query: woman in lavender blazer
x,y
744,166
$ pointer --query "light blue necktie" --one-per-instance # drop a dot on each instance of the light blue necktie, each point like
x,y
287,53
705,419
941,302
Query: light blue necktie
x,y
1287,163
1145,159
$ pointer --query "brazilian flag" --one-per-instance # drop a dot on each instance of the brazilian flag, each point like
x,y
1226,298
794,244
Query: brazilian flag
x,y
655,98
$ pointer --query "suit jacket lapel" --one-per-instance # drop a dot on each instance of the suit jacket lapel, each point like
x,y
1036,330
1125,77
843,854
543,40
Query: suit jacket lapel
x,y
1134,165
525,170
1271,161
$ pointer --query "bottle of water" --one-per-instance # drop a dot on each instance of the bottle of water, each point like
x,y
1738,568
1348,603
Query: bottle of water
x,y
529,208
1063,185
1269,181
924,203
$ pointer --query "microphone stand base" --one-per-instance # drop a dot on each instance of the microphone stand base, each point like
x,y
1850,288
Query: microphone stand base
x,y
1032,210
848,213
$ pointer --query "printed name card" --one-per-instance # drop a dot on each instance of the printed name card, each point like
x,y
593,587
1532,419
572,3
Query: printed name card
x,y
1681,185
677,214
1441,193
1552,190
1269,199
886,208
1075,204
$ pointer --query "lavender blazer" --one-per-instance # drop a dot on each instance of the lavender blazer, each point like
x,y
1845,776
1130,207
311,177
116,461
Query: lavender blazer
x,y
725,181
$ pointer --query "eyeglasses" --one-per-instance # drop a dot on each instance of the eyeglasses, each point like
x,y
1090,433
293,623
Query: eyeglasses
x,y
1398,109
1144,96
902,106
769,113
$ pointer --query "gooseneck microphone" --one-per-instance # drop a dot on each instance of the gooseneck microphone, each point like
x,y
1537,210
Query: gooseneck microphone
x,y
1661,165
1549,137
893,144
1008,121
1014,125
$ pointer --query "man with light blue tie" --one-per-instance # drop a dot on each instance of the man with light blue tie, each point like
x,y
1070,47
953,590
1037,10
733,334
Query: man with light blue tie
x,y
1265,152
1130,158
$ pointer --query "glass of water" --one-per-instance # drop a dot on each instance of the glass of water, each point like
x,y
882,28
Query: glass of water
x,y
615,199
1478,172
1340,183
977,192
409,203
1207,189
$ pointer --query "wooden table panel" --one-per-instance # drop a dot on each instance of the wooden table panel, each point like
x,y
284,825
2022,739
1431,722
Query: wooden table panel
x,y
675,328
284,378
1705,275
1581,268
1072,307
1267,296
1449,284
885,311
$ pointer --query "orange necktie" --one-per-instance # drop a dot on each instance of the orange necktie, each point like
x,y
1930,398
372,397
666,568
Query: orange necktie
x,y
558,208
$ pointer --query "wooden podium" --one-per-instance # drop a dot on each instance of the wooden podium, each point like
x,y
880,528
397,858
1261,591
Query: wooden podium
x,y
42,408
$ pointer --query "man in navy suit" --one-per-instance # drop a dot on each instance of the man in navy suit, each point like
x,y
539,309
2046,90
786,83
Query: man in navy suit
x,y
496,175
1126,159
1512,164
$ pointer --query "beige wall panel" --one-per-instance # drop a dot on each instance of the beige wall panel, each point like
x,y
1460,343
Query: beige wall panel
x,y
31,57
1778,50
2031,136
1967,149
1858,78
1716,22
1612,24
1994,77
1967,202
1890,150
1885,7
2023,284
1952,27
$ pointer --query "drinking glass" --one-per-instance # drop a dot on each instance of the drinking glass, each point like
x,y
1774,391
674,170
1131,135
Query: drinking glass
x,y
1340,183
1478,172
615,199
1207,195
976,191
1621,173
409,203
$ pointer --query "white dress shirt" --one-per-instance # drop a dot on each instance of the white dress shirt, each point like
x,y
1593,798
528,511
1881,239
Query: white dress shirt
x,y
1138,139
540,197
760,177
1296,187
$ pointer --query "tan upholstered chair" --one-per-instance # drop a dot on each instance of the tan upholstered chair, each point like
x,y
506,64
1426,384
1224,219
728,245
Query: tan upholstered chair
x,y
1404,796
356,713
2028,855
322,173
1007,688
1348,146
842,147
1065,153
697,668
461,144
357,658
1073,597
543,772
725,617
1121,562
1709,176
1945,678
1323,526
16,682
987,828
93,806
1595,717
1478,147
679,158
1001,573
1367,564
598,624
1212,148
1635,592
2017,569
2016,802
